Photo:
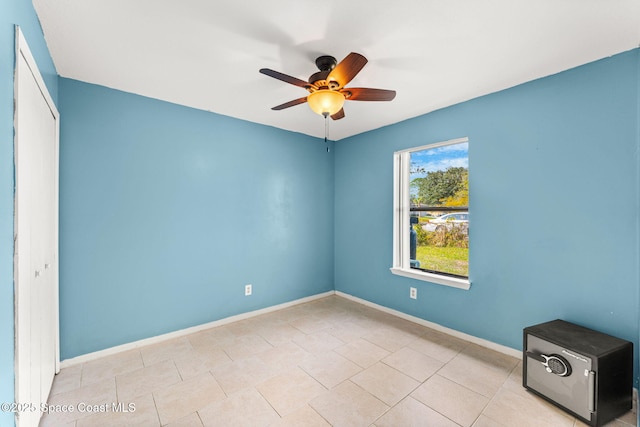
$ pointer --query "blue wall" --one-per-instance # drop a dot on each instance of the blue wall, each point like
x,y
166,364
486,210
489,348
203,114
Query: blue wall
x,y
167,212
554,207
13,12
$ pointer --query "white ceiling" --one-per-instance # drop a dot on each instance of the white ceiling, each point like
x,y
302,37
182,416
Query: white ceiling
x,y
206,53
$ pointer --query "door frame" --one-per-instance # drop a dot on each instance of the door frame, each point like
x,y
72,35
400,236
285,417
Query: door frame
x,y
22,49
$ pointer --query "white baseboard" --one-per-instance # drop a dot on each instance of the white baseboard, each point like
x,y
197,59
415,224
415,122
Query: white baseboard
x,y
176,334
482,342
182,332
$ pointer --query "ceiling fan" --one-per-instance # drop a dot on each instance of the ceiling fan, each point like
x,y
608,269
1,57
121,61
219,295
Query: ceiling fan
x,y
327,91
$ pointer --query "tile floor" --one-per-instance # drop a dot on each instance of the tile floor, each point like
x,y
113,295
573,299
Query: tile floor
x,y
327,362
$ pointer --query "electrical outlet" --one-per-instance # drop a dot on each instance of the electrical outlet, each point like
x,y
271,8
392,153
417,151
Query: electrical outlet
x,y
247,290
413,293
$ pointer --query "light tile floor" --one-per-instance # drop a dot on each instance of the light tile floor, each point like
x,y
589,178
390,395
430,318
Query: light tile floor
x,y
327,362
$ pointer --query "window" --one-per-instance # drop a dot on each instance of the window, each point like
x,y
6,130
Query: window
x,y
431,213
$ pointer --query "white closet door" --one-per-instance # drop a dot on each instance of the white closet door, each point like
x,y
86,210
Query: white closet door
x,y
36,263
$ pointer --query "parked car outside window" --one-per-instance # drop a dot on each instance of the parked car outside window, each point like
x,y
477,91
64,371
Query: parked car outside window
x,y
447,221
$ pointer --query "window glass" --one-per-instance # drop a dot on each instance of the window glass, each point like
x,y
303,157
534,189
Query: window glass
x,y
431,219
439,183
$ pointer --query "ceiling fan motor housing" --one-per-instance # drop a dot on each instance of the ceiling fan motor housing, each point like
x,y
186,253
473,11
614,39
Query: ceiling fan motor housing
x,y
325,64
320,81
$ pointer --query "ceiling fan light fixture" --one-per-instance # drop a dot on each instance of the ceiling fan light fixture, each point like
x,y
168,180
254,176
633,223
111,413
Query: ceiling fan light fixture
x,y
327,87
325,102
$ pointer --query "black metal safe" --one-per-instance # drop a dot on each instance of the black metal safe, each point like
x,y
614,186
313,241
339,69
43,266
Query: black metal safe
x,y
587,373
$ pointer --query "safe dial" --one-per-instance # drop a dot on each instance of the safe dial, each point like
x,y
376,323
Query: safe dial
x,y
554,363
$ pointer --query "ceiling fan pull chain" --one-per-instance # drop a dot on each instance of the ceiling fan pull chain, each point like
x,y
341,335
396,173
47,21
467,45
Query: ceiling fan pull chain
x,y
326,130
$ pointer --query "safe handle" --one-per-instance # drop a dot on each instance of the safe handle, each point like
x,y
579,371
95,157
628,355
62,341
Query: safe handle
x,y
591,395
536,356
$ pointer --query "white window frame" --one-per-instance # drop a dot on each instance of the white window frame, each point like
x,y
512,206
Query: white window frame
x,y
401,220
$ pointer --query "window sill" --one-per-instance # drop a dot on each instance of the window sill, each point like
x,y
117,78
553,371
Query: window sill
x,y
433,278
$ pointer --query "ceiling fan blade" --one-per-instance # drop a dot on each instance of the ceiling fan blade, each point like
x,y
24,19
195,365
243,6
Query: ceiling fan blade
x,y
285,78
339,115
347,69
368,94
290,103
